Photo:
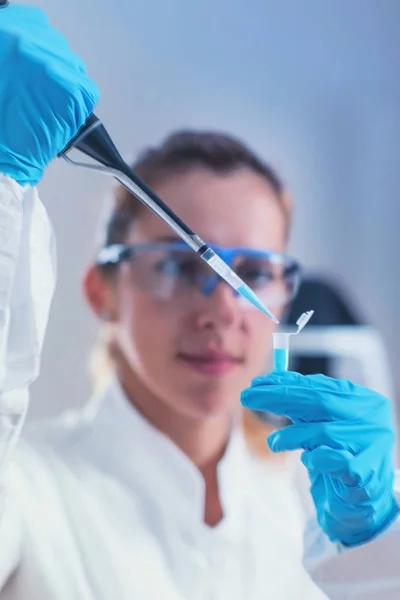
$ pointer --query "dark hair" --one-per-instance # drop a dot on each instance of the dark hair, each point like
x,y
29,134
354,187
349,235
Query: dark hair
x,y
181,152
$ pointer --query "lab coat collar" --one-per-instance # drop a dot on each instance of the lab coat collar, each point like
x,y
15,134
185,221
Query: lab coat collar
x,y
149,462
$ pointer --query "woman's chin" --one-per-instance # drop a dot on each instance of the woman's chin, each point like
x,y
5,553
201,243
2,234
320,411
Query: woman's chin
x,y
211,402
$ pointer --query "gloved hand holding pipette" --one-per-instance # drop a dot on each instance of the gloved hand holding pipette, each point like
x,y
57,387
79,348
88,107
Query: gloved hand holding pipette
x,y
347,434
41,115
44,56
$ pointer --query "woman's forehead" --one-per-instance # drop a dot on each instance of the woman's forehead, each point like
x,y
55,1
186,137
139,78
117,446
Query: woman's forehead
x,y
233,209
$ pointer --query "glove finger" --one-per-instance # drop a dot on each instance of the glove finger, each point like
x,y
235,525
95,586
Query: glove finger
x,y
312,381
17,15
318,494
327,461
291,378
30,26
297,404
373,467
353,437
313,398
370,468
333,508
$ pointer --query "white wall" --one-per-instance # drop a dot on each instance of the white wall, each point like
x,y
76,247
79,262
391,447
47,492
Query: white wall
x,y
313,85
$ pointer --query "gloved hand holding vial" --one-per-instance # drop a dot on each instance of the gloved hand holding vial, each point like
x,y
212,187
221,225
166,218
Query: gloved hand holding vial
x,y
346,434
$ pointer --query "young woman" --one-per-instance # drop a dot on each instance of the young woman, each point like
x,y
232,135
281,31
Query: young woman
x,y
153,491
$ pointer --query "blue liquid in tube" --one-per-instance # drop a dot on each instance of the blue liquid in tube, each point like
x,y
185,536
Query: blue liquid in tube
x,y
281,359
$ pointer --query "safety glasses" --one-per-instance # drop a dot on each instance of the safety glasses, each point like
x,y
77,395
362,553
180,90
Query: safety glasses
x,y
172,271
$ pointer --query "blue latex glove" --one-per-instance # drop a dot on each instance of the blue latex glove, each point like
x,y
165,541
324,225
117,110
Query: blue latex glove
x,y
347,434
45,94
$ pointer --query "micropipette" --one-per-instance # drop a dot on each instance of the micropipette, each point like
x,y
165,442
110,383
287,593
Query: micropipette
x,y
281,342
94,141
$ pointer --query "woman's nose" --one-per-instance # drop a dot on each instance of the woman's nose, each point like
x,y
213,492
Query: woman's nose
x,y
218,308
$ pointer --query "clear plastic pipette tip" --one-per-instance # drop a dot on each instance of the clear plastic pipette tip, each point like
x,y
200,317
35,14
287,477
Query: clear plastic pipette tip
x,y
245,291
229,275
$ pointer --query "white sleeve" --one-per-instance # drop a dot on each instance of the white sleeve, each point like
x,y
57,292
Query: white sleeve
x,y
27,280
366,572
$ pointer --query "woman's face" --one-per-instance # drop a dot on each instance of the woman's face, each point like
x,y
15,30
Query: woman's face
x,y
197,355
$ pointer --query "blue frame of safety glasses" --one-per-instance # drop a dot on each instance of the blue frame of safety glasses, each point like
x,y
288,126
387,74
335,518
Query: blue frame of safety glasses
x,y
116,253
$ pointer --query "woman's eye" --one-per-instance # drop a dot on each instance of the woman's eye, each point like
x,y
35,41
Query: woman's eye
x,y
255,274
175,266
167,266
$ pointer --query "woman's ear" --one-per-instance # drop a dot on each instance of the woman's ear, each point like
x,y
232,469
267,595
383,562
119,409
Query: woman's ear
x,y
100,294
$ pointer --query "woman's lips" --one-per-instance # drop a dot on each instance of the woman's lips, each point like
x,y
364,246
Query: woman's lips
x,y
211,364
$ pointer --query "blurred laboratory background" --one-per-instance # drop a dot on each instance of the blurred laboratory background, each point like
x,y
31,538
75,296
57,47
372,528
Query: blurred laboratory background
x,y
314,86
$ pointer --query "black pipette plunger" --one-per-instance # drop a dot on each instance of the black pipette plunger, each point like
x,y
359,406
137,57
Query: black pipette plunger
x,y
94,140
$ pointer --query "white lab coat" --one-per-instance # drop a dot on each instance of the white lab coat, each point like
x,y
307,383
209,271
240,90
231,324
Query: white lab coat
x,y
99,505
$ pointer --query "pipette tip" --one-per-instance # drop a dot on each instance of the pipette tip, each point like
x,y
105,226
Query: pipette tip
x,y
248,293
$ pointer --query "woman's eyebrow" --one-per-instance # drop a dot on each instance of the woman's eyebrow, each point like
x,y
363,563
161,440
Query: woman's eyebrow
x,y
167,238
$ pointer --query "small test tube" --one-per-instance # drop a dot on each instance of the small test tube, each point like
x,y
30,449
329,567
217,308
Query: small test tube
x,y
281,342
281,351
